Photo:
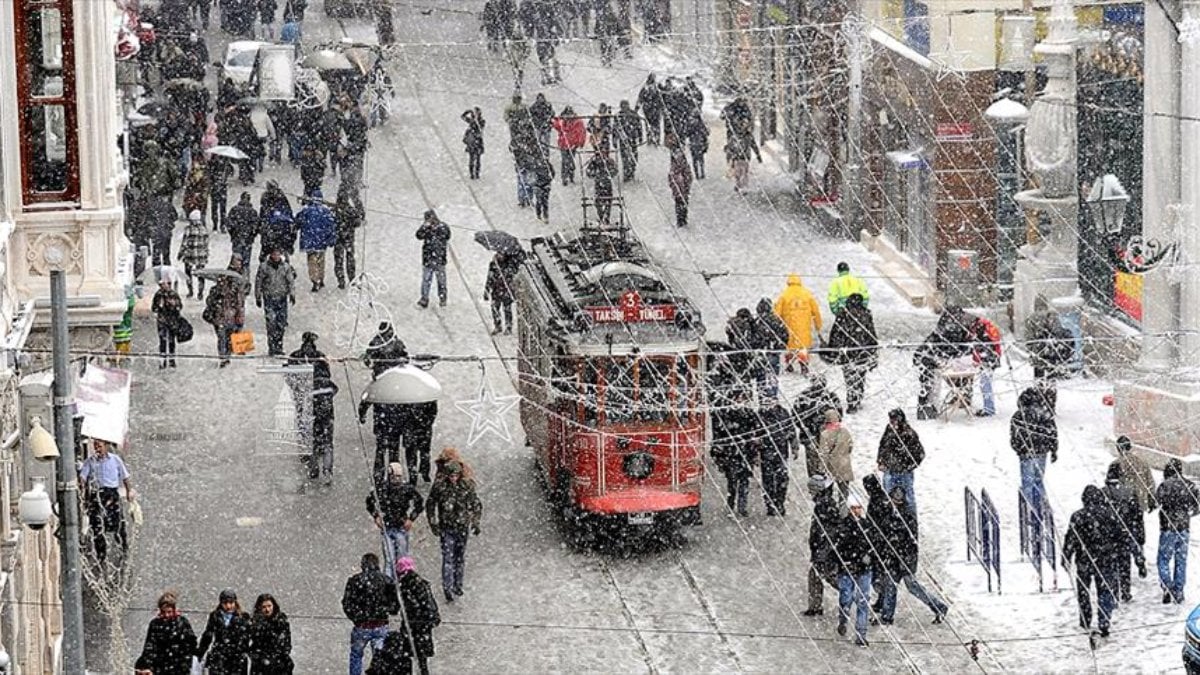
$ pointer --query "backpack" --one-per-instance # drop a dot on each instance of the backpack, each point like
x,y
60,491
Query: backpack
x,y
989,334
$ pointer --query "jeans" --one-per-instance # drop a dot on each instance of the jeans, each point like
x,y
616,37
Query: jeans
x,y
985,391
1085,576
343,261
1173,546
854,590
698,164
427,274
1033,472
454,559
888,593
276,312
904,481
359,637
524,188
166,342
395,547
473,163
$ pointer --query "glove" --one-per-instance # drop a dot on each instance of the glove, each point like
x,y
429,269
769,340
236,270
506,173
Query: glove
x,y
362,419
293,299
1141,567
1053,457
258,302
475,530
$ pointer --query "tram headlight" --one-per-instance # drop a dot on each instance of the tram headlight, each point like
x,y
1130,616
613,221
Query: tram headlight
x,y
638,465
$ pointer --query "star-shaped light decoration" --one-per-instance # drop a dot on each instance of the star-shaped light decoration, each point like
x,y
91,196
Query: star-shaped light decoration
x,y
951,63
487,413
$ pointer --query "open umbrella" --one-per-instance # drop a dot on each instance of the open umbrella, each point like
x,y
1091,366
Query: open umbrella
x,y
498,241
327,59
227,151
215,273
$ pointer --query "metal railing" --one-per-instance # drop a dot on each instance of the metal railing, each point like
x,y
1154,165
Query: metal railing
x,y
983,533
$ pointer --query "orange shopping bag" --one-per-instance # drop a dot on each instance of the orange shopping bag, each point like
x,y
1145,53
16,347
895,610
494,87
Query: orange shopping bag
x,y
241,342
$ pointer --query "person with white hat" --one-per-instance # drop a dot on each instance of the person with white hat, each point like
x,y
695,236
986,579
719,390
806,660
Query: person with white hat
x,y
168,307
193,251
395,505
855,562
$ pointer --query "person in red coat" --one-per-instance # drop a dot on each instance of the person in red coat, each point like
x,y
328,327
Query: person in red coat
x,y
679,178
572,134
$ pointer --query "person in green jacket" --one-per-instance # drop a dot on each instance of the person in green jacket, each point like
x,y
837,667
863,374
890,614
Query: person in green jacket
x,y
845,285
123,332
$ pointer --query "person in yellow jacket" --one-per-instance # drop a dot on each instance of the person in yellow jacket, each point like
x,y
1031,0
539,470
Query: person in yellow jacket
x,y
845,285
798,308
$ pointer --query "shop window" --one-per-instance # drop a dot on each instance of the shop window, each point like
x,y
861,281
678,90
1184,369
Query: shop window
x,y
46,99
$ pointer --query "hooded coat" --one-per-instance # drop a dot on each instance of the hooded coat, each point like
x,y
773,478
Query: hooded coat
x,y
835,448
1178,499
900,449
1033,431
768,330
895,550
1094,539
420,610
1123,505
798,308
270,641
318,231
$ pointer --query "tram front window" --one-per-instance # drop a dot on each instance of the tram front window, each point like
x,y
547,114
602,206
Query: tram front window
x,y
637,390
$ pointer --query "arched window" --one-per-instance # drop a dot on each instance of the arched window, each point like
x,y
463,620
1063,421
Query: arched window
x,y
46,101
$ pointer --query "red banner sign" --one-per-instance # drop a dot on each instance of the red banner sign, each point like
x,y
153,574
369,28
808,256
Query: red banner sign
x,y
950,131
631,310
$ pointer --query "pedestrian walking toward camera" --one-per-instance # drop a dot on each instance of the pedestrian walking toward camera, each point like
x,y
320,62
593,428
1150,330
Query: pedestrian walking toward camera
x,y
320,463
243,225
395,505
435,244
193,251
369,600
454,510
274,288
679,178
225,645
540,114
542,177
835,448
420,611
1123,507
318,232
1136,474
1033,435
987,350
473,140
270,639
498,289
170,642
1093,543
225,308
697,138
102,476
733,452
602,169
386,350
900,453
1178,502
822,533
168,307
650,103
349,215
852,548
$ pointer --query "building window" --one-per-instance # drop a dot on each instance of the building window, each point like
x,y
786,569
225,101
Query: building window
x,y
46,100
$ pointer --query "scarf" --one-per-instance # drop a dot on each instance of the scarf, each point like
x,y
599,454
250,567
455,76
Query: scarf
x,y
227,617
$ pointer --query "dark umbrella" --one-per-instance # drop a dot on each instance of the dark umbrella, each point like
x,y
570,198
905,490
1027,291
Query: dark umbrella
x,y
153,109
215,273
498,241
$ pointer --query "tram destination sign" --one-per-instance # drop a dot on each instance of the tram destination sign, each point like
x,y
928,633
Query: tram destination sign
x,y
630,309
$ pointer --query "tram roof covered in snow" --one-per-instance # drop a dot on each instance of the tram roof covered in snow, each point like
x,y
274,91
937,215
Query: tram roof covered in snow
x,y
601,288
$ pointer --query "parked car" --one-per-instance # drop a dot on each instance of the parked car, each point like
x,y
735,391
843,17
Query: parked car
x,y
1191,643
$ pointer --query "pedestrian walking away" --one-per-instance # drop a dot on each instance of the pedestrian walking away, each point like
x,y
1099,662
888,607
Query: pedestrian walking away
x,y
650,104
835,448
572,135
170,642
498,290
679,179
387,426
225,645
274,288
986,338
602,169
798,308
843,286
473,140
368,601
540,114
395,505
808,413
629,137
349,215
1178,502
1093,544
270,638
454,511
243,225
318,232
420,611
1033,436
225,308
1136,475
900,453
320,463
822,534
435,244
777,447
1123,507
733,451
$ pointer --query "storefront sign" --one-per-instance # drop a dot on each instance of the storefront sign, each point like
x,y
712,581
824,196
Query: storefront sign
x,y
951,131
1127,294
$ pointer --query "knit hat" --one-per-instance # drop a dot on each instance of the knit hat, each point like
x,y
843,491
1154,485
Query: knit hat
x,y
817,483
405,564
308,336
228,595
1124,444
396,469
832,415
852,501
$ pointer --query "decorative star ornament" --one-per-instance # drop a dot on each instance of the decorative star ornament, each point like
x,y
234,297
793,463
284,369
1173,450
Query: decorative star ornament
x,y
951,64
487,413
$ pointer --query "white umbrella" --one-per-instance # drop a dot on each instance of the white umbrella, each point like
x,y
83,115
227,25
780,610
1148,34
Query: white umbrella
x,y
227,151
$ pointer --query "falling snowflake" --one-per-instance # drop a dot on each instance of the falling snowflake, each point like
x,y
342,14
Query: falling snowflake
x,y
360,312
1189,29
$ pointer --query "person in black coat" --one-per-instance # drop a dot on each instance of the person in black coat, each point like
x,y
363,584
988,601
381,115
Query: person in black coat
x,y
270,639
1093,543
498,289
855,344
1033,435
822,533
733,426
1123,507
225,644
473,140
856,560
950,339
435,243
170,641
808,413
739,332
1178,502
776,447
320,463
386,350
420,611
629,137
394,504
769,338
369,600
900,453
394,657
243,225
897,549
650,103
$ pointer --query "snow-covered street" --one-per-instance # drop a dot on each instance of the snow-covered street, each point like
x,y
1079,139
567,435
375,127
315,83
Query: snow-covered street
x,y
225,509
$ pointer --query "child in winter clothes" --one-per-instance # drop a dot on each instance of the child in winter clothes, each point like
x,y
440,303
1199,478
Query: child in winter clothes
x,y
498,288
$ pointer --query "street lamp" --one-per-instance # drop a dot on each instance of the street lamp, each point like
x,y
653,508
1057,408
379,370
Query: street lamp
x,y
403,384
1107,201
41,443
35,509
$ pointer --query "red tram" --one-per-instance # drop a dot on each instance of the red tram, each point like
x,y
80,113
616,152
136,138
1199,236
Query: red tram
x,y
611,380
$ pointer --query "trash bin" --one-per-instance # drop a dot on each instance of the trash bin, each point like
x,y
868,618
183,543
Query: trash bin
x,y
962,278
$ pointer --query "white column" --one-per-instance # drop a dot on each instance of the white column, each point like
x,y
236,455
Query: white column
x,y
1160,179
1189,169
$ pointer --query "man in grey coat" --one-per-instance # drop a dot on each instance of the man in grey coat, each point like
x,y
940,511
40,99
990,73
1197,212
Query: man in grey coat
x,y
274,288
